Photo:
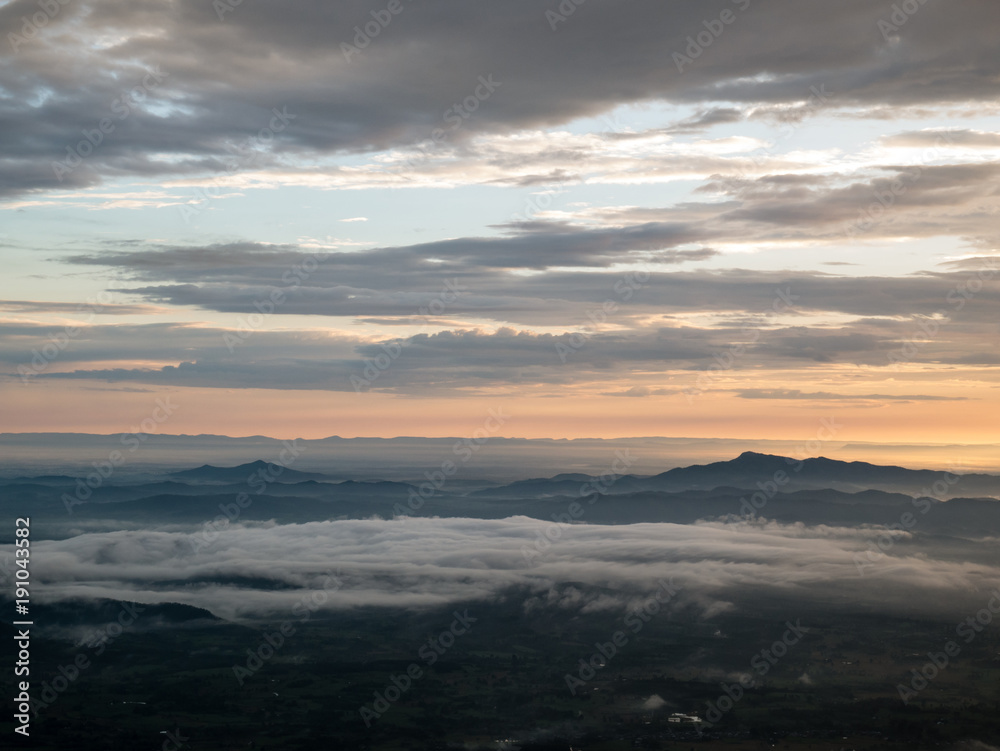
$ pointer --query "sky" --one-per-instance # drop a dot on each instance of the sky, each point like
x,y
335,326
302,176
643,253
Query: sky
x,y
717,219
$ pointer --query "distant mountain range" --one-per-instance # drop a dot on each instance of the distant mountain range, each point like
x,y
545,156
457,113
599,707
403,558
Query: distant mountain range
x,y
754,471
223,475
749,471
407,457
753,485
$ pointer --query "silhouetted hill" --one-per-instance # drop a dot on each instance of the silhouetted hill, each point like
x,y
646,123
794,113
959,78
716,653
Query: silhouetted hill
x,y
246,472
754,471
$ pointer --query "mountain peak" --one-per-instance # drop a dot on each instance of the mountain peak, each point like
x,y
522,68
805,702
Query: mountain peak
x,y
755,457
245,472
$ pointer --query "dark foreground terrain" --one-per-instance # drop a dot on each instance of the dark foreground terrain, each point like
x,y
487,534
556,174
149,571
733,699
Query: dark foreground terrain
x,y
168,680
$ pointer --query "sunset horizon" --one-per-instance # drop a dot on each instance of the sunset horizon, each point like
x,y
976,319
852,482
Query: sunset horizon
x,y
395,375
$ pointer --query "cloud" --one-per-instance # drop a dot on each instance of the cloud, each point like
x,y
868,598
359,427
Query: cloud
x,y
654,702
940,138
77,309
425,562
397,281
221,82
196,101
640,391
825,396
630,345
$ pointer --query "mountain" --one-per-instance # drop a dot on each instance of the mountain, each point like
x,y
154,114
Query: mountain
x,y
812,491
246,473
753,471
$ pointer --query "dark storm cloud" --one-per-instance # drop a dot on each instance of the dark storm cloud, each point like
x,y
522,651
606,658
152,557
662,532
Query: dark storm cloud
x,y
223,78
